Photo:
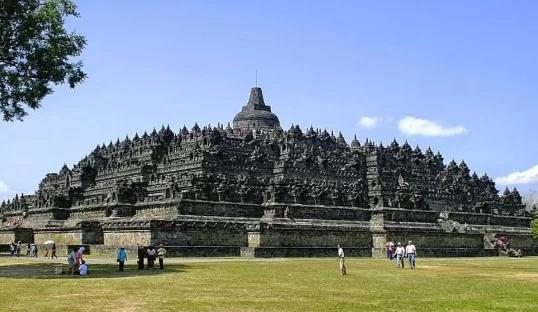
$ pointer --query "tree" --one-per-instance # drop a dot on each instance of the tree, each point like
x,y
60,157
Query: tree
x,y
36,53
534,223
534,227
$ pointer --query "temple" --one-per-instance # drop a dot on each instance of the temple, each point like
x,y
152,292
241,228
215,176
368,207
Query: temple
x,y
254,189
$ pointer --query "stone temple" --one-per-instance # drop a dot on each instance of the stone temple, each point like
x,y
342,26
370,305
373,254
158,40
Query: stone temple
x,y
255,189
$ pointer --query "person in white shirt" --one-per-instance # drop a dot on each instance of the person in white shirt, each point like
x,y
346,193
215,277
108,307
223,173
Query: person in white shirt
x,y
400,254
390,250
411,253
341,264
83,268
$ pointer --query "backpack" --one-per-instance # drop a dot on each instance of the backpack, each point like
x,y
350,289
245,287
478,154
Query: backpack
x,y
71,258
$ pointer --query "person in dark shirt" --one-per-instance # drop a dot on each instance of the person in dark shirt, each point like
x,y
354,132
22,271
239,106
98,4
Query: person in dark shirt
x,y
141,254
53,254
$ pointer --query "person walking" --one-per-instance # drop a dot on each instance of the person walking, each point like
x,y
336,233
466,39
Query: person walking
x,y
411,253
161,252
341,261
122,258
12,249
29,248
53,249
400,253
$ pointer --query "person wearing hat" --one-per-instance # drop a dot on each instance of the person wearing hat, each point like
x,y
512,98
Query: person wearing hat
x,y
122,258
161,252
411,253
400,253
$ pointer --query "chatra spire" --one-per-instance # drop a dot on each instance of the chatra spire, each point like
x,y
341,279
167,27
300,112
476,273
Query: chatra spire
x,y
256,115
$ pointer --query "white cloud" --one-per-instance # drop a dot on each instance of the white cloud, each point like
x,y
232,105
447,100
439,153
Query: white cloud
x,y
520,177
369,122
5,191
416,126
4,188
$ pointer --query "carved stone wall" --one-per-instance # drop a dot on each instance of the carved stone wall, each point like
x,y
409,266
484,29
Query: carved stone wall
x,y
120,237
61,237
319,237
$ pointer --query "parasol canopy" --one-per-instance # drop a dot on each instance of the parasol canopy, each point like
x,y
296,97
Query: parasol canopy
x,y
49,242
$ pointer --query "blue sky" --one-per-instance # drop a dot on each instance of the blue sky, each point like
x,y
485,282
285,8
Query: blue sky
x,y
459,76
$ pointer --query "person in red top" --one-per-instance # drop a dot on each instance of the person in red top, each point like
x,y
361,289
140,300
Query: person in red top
x,y
78,258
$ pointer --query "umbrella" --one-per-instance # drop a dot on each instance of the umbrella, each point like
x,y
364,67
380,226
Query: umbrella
x,y
49,242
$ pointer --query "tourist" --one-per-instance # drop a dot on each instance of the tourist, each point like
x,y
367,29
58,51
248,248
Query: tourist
x,y
151,257
34,251
411,253
53,249
161,252
71,259
12,249
390,250
122,257
83,269
141,255
341,261
18,249
519,253
400,253
28,250
78,258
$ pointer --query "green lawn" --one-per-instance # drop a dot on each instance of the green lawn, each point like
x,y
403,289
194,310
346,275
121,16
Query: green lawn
x,y
478,284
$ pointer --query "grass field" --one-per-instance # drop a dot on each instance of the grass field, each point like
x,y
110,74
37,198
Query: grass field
x,y
478,284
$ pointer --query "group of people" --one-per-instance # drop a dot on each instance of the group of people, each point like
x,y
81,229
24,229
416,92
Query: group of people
x,y
151,254
15,249
31,251
76,263
503,248
394,252
52,251
399,253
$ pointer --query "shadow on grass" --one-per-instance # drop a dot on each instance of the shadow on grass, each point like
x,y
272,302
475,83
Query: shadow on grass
x,y
52,271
